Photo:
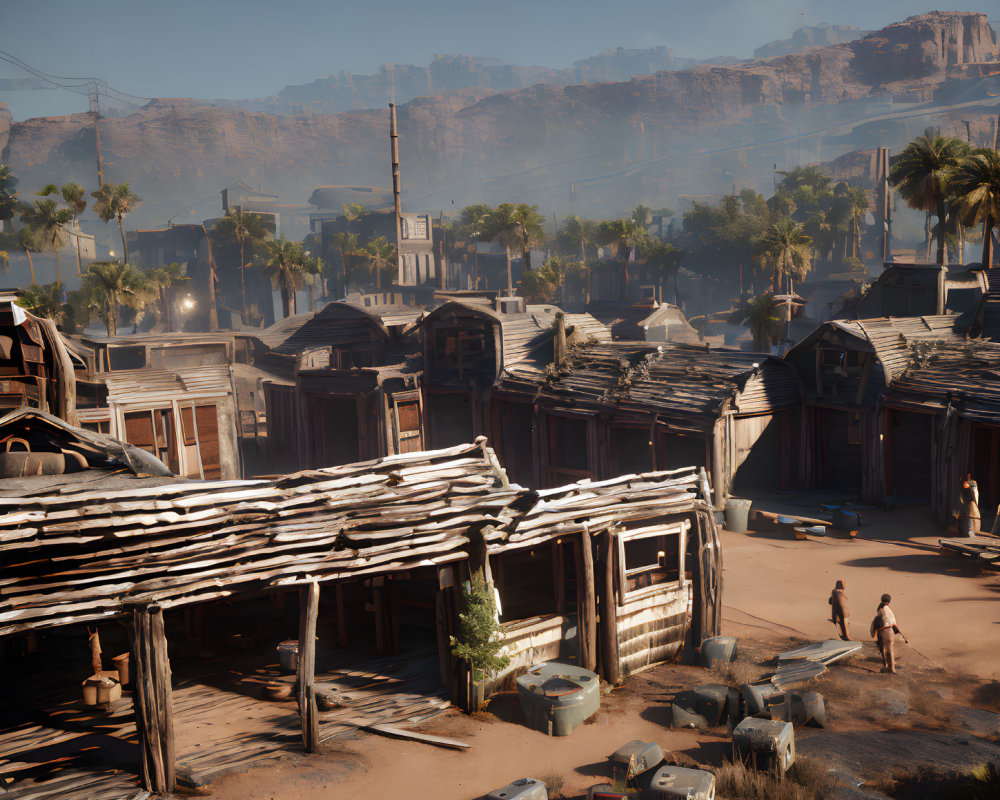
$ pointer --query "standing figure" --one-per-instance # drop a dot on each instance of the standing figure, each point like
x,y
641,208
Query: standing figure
x,y
883,630
969,516
839,614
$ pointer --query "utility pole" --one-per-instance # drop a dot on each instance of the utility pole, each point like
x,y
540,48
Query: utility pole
x,y
884,200
394,147
95,110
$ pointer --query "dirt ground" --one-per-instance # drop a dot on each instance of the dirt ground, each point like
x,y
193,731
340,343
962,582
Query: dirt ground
x,y
940,711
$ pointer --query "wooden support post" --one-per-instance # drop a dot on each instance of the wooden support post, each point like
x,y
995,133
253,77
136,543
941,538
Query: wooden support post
x,y
559,577
588,610
609,613
153,698
309,603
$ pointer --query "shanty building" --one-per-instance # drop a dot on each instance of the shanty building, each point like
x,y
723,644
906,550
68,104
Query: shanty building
x,y
187,417
468,344
951,393
612,409
846,367
349,563
36,368
346,388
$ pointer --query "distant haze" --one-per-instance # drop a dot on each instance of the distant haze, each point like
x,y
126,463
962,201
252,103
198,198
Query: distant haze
x,y
249,48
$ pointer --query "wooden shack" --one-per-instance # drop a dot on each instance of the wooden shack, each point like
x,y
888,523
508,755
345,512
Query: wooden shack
x,y
466,346
37,370
187,418
846,367
374,554
344,388
618,408
950,394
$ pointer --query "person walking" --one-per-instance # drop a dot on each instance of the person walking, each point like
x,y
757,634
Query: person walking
x,y
839,614
884,629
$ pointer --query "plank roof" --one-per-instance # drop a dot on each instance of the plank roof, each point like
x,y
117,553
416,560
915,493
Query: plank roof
x,y
80,553
687,385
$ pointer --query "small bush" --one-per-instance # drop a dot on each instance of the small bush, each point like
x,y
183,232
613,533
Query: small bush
x,y
554,785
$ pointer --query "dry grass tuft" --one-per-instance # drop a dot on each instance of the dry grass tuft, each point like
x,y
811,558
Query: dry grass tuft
x,y
736,673
553,785
806,781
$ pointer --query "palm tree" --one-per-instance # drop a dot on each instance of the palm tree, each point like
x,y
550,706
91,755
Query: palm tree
x,y
762,316
44,301
8,193
664,260
580,233
287,264
377,256
75,197
161,279
626,235
855,206
246,228
921,175
471,223
47,220
513,227
976,185
30,240
352,211
786,250
109,285
347,245
114,201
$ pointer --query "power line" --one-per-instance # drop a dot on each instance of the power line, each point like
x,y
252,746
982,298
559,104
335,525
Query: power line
x,y
77,85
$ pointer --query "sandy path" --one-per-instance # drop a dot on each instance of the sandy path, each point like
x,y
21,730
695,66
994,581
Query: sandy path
x,y
947,609
499,752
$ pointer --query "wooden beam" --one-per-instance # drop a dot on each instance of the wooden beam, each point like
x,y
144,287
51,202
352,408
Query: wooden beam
x,y
588,610
309,610
153,698
609,612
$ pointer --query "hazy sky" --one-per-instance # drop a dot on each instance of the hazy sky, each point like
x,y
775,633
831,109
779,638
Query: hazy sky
x,y
252,48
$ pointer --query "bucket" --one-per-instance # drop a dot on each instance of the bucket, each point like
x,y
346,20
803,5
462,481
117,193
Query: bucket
x,y
288,655
121,664
717,649
736,514
90,690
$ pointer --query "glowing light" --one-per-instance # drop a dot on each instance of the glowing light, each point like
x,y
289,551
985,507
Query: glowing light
x,y
188,303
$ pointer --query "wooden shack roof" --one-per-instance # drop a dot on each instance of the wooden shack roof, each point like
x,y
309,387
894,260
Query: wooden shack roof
x,y
154,385
964,376
337,325
77,554
888,337
686,385
528,334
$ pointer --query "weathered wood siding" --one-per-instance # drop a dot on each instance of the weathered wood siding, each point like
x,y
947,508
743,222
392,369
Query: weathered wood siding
x,y
651,629
529,641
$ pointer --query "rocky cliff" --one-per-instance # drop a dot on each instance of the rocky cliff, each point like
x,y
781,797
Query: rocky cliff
x,y
810,36
592,147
